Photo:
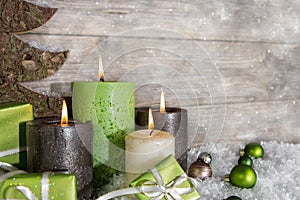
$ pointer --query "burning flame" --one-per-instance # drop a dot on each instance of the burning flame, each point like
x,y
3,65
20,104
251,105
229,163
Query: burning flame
x,y
101,76
162,102
64,114
101,70
150,120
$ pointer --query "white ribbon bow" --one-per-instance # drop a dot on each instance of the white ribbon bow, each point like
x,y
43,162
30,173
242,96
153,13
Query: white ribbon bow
x,y
169,191
12,171
155,190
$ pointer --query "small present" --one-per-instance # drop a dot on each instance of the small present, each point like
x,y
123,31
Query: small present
x,y
166,180
47,185
167,175
13,117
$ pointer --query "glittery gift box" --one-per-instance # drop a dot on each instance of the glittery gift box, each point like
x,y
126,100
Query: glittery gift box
x,y
168,169
60,186
12,132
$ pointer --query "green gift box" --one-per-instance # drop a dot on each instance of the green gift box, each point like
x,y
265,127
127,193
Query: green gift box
x,y
13,117
169,171
58,186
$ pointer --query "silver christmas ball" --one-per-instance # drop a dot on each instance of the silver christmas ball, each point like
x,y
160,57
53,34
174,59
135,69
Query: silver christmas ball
x,y
205,157
200,170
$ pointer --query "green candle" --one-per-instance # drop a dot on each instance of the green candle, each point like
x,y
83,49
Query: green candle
x,y
13,117
110,106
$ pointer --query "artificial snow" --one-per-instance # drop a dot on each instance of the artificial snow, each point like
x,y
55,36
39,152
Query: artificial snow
x,y
278,173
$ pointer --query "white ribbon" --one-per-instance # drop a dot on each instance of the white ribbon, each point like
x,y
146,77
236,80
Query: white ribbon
x,y
169,191
155,190
10,174
12,171
24,190
11,152
45,185
7,167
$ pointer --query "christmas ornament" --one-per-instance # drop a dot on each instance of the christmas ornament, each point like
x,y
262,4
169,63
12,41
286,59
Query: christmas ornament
x,y
253,149
201,168
205,157
241,176
233,198
245,160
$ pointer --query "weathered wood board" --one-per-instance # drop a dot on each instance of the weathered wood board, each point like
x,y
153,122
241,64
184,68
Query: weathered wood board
x,y
235,65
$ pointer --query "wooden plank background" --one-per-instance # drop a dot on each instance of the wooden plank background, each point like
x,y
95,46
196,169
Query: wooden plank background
x,y
235,65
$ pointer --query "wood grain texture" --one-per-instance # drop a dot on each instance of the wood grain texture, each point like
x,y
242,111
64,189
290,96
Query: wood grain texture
x,y
244,122
247,72
267,20
233,64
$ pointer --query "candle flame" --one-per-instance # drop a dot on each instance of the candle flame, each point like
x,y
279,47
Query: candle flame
x,y
101,70
162,102
64,114
150,120
101,76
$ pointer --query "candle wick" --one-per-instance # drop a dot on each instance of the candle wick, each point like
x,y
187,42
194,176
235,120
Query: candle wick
x,y
151,132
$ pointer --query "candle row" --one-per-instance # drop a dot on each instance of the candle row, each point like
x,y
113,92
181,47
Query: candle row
x,y
94,145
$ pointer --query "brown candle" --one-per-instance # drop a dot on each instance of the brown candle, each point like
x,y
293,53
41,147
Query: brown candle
x,y
61,145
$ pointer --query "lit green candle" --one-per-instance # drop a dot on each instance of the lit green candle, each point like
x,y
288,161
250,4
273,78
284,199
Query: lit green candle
x,y
13,117
110,106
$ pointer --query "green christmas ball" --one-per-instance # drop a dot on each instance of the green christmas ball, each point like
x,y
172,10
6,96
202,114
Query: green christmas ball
x,y
242,176
233,198
245,160
253,149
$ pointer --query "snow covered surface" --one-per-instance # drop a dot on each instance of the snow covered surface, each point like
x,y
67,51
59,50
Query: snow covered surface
x,y
278,173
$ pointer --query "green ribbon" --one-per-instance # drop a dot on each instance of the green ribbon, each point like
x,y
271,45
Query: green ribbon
x,y
155,190
12,171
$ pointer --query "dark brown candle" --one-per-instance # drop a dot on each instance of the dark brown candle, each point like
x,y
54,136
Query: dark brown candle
x,y
60,146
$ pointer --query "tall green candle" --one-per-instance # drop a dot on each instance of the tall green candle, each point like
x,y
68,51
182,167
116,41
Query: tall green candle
x,y
110,107
13,117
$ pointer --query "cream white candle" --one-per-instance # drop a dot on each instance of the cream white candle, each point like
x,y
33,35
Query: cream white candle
x,y
144,149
